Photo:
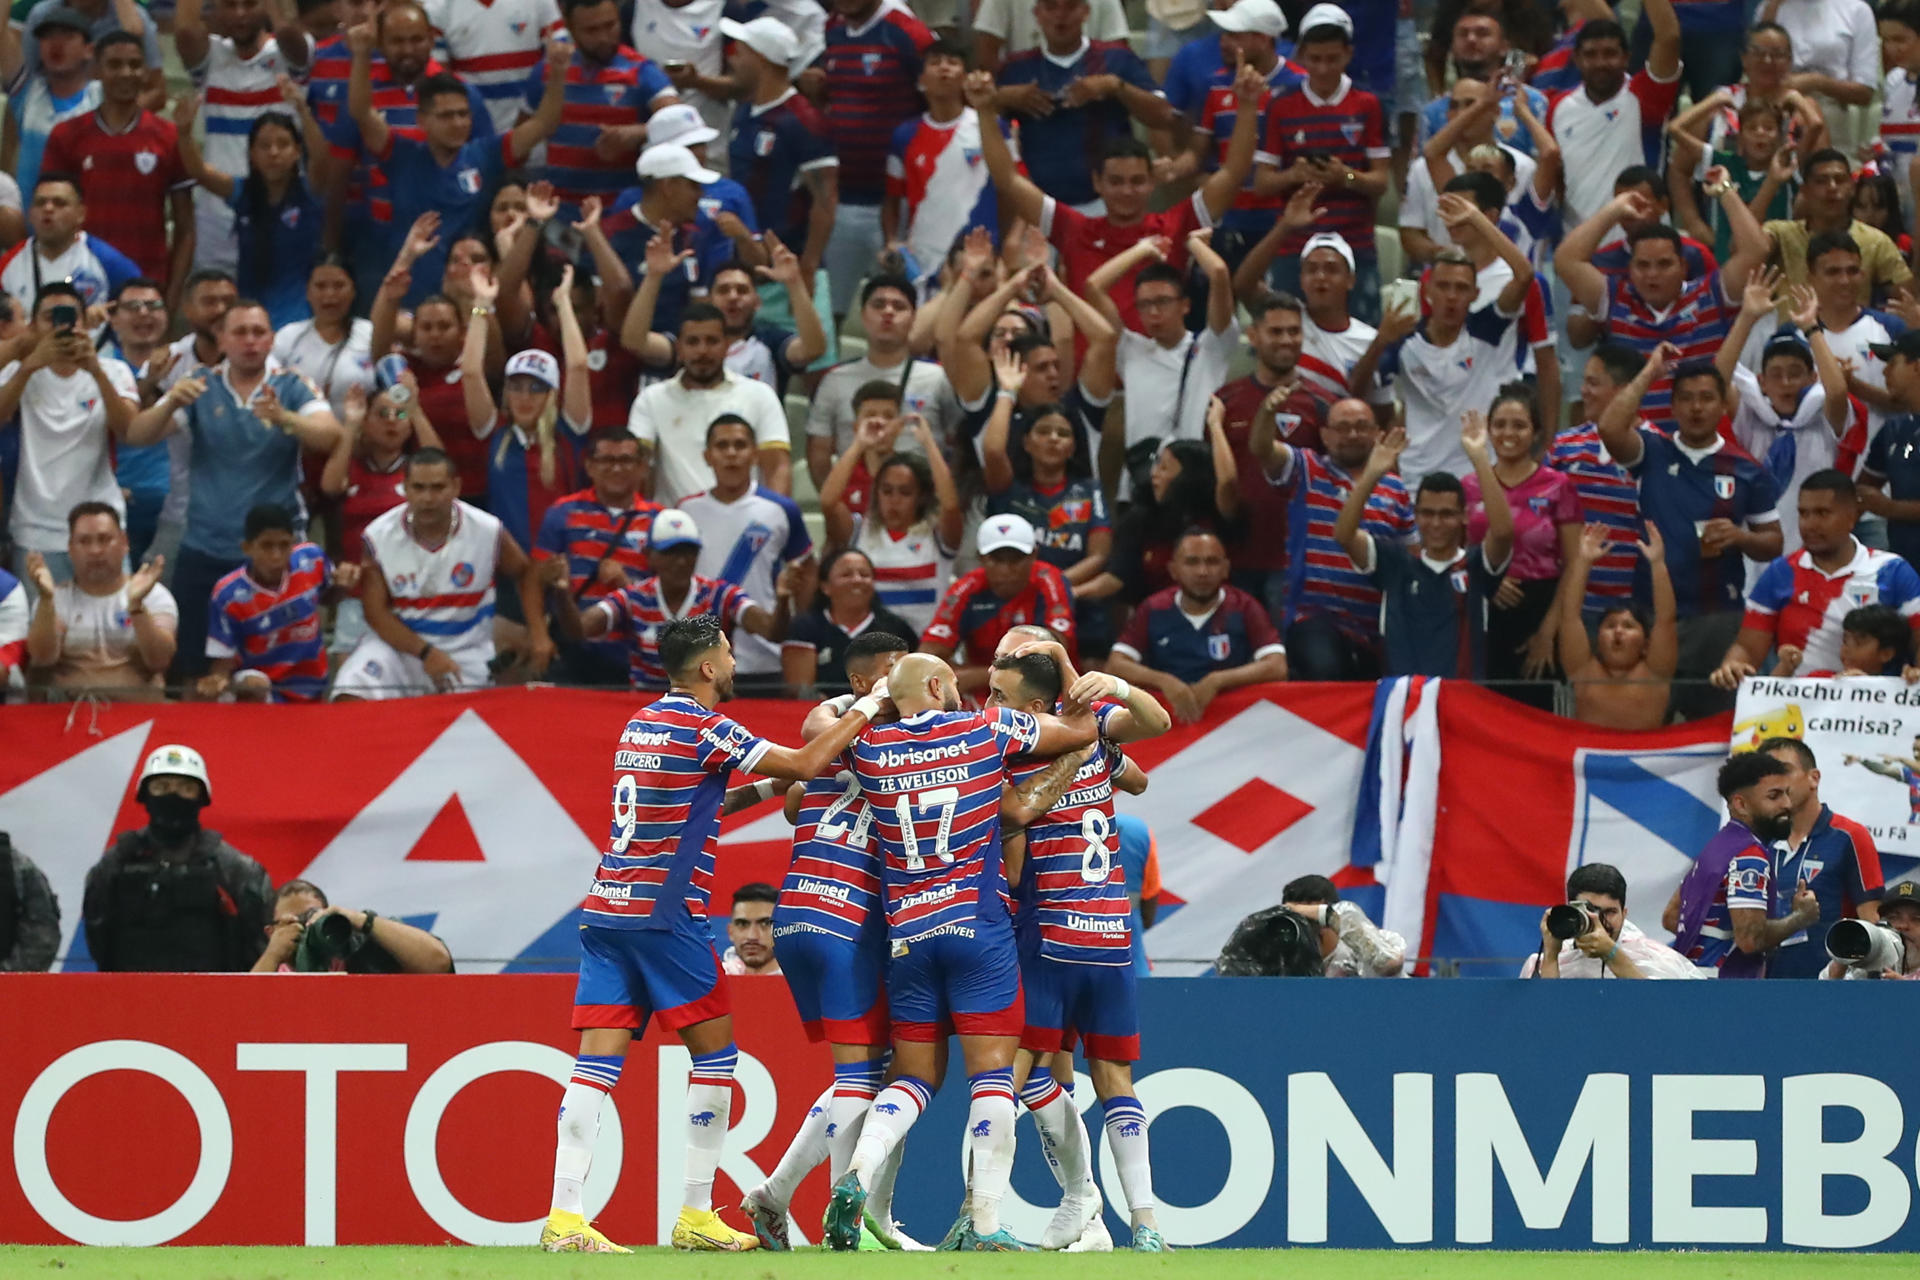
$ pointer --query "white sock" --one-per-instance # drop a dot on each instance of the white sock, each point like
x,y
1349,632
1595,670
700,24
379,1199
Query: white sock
x,y
990,1124
709,1101
803,1154
888,1120
880,1194
854,1086
1127,1132
573,1152
1063,1134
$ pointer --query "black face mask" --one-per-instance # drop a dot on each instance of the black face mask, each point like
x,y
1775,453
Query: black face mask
x,y
172,819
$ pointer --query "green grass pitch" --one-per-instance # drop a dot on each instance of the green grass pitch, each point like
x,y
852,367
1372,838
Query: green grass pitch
x,y
20,1262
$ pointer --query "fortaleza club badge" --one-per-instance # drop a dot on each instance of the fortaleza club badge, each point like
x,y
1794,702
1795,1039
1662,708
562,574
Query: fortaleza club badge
x,y
469,180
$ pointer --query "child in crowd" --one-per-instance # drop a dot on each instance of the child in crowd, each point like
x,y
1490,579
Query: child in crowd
x,y
1874,641
263,628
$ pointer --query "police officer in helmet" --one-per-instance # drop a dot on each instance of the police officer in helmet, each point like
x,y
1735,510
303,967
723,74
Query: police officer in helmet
x,y
172,896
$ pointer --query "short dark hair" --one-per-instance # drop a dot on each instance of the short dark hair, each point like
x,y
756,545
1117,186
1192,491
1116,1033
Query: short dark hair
x,y
1440,482
888,280
1482,188
113,38
438,85
1599,29
869,645
1194,531
1655,231
56,289
684,640
568,6
1039,675
292,887
1904,12
245,304
81,510
878,389
267,517
138,282
429,457
1124,147
1745,770
71,180
1798,749
206,275
1834,481
1830,242
1700,367
1310,889
1622,363
1597,877
1274,300
1640,175
758,890
1767,28
608,435
1160,273
728,420
945,49
1025,344
1883,625
1825,155
731,264
702,313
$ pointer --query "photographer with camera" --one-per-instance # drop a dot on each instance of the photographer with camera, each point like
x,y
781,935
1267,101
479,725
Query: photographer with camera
x,y
1311,934
1886,948
309,935
1589,935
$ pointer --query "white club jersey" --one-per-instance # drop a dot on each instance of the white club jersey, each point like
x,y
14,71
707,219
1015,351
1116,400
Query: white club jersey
x,y
64,453
494,47
1438,384
910,573
79,266
748,542
443,594
1599,139
335,368
1853,343
1900,128
1327,359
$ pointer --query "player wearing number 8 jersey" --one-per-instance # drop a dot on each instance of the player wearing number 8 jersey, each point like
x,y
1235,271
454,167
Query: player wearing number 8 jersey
x,y
645,948
935,780
1076,945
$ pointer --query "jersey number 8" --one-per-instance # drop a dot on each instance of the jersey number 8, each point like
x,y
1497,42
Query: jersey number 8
x,y
1097,861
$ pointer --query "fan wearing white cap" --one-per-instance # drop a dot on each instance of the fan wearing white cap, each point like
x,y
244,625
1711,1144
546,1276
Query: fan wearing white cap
x,y
781,145
605,81
529,465
672,591
672,183
1011,588
727,225
1334,135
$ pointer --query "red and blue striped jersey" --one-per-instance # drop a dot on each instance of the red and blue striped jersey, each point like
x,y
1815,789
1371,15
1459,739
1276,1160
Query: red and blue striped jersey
x,y
972,618
669,779
833,882
1073,881
1610,497
599,96
494,44
328,71
873,84
1614,260
1698,323
1218,113
1800,604
1060,147
1349,128
638,613
581,528
275,630
1320,576
934,781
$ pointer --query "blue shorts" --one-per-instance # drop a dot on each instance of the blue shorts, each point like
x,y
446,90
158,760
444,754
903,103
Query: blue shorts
x,y
972,983
837,985
1096,1000
630,975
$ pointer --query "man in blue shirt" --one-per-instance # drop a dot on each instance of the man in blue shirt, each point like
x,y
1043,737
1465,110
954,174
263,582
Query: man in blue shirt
x,y
780,149
1433,595
727,228
450,172
1831,855
1140,864
667,202
1071,97
1890,477
1478,51
249,419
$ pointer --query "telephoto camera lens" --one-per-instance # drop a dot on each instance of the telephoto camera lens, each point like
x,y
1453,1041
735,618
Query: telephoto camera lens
x,y
1569,920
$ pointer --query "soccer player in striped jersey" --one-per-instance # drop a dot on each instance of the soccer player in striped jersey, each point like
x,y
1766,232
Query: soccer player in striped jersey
x,y
645,950
263,629
1076,942
935,780
830,937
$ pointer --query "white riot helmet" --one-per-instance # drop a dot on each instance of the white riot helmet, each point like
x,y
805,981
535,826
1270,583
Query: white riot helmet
x,y
176,761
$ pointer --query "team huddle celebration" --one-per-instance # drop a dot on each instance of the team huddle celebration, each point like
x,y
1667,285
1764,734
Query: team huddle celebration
x,y
1133,352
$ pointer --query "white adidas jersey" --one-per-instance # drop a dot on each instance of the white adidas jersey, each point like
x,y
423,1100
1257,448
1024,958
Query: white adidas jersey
x,y
444,594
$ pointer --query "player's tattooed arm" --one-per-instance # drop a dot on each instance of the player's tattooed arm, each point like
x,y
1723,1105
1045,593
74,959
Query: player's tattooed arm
x,y
1022,806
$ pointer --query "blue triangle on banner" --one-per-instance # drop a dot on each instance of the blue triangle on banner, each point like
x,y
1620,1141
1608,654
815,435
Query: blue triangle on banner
x,y
555,951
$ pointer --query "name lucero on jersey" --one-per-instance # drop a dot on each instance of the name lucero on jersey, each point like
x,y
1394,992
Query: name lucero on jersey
x,y
626,760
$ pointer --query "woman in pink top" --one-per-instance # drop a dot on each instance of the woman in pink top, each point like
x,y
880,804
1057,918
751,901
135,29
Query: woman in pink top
x,y
1546,534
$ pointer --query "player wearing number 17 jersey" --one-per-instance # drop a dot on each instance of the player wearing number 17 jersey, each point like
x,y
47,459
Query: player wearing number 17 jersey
x,y
934,780
645,949
1076,957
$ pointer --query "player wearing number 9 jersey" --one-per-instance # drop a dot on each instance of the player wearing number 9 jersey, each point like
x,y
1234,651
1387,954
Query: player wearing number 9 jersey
x,y
934,780
645,949
830,937
1076,958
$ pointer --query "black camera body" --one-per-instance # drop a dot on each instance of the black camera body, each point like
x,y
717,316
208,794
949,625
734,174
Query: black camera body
x,y
1570,920
1275,943
325,939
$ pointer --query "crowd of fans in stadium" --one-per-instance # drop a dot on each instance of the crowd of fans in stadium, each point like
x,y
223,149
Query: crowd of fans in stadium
x,y
419,347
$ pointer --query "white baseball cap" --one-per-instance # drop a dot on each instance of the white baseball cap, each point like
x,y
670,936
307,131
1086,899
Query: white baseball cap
x,y
1327,15
766,36
1000,532
175,761
673,528
671,160
678,124
1261,17
535,364
1329,240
